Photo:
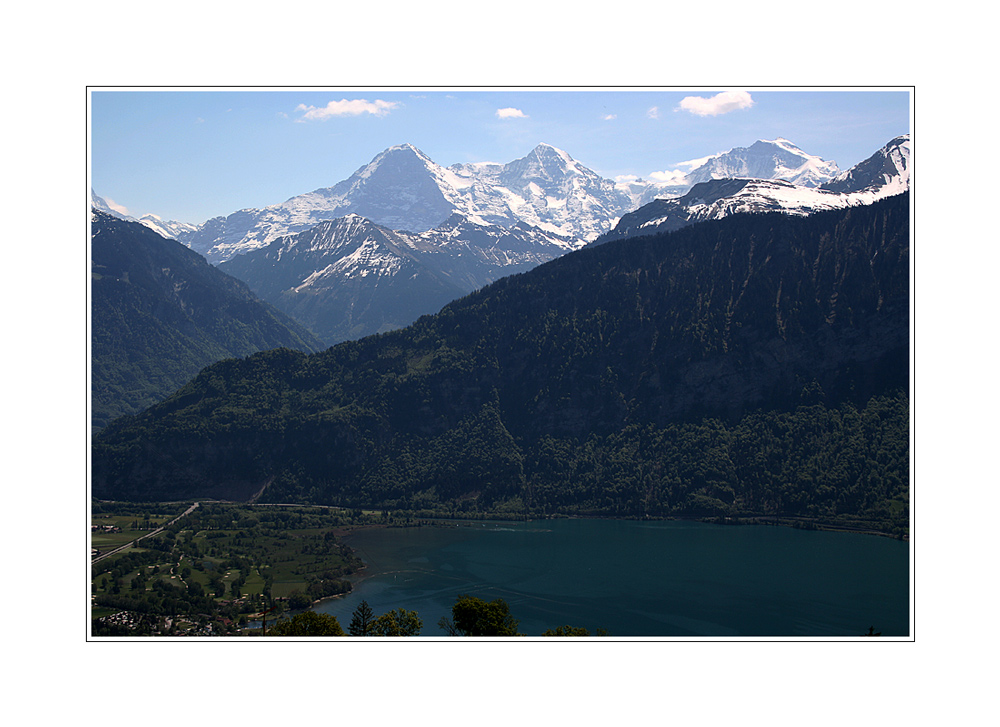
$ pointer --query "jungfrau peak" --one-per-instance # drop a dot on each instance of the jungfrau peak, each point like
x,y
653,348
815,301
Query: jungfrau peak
x,y
884,174
775,159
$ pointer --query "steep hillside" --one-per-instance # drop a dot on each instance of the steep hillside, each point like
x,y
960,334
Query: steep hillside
x,y
160,313
751,364
350,278
888,168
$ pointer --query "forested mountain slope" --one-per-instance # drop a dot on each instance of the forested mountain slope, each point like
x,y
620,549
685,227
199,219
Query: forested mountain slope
x,y
160,313
755,364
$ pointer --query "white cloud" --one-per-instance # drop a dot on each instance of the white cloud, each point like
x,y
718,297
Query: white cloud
x,y
653,113
720,103
610,117
346,107
117,207
670,177
511,113
678,175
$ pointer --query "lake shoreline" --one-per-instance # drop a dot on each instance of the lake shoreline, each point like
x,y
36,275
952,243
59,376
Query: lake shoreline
x,y
344,533
685,576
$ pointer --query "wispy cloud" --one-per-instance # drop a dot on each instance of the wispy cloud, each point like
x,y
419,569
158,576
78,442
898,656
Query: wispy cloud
x,y
720,103
117,207
346,107
668,177
653,113
610,117
679,175
511,113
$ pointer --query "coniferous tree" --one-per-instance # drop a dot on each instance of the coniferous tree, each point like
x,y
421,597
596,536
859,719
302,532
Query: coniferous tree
x,y
361,620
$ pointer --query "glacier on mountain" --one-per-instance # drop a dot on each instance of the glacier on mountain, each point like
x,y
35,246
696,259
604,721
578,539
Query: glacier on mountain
x,y
402,189
164,228
885,173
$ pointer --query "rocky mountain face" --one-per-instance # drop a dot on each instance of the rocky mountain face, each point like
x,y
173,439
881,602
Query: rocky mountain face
x,y
414,235
778,159
473,254
345,279
547,189
350,278
402,189
160,313
884,174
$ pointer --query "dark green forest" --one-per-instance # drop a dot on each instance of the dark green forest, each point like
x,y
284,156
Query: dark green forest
x,y
160,313
756,366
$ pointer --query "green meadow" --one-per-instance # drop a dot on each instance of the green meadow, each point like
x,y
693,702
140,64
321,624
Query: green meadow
x,y
216,568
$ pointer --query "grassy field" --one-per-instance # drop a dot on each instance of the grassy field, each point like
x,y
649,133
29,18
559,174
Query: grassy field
x,y
221,562
109,531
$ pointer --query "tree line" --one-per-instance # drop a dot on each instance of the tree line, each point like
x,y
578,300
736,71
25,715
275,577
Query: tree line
x,y
756,365
471,616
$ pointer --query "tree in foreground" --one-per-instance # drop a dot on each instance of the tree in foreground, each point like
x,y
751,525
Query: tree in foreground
x,y
572,631
309,623
471,616
398,622
361,620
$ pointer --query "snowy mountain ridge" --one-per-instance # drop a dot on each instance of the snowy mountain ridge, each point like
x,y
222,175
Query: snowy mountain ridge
x,y
884,174
765,159
165,228
887,170
402,188
349,277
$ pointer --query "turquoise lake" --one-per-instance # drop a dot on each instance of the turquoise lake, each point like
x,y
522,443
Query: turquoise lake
x,y
639,578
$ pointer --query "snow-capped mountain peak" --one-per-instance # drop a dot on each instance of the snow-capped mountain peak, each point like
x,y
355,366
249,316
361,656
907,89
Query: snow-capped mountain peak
x,y
402,188
398,156
884,174
164,228
545,162
887,171
765,159
548,154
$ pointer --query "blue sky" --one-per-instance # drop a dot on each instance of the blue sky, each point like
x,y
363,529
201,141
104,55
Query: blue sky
x,y
189,155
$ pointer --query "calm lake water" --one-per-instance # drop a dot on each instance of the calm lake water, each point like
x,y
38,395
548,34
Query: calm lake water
x,y
639,579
